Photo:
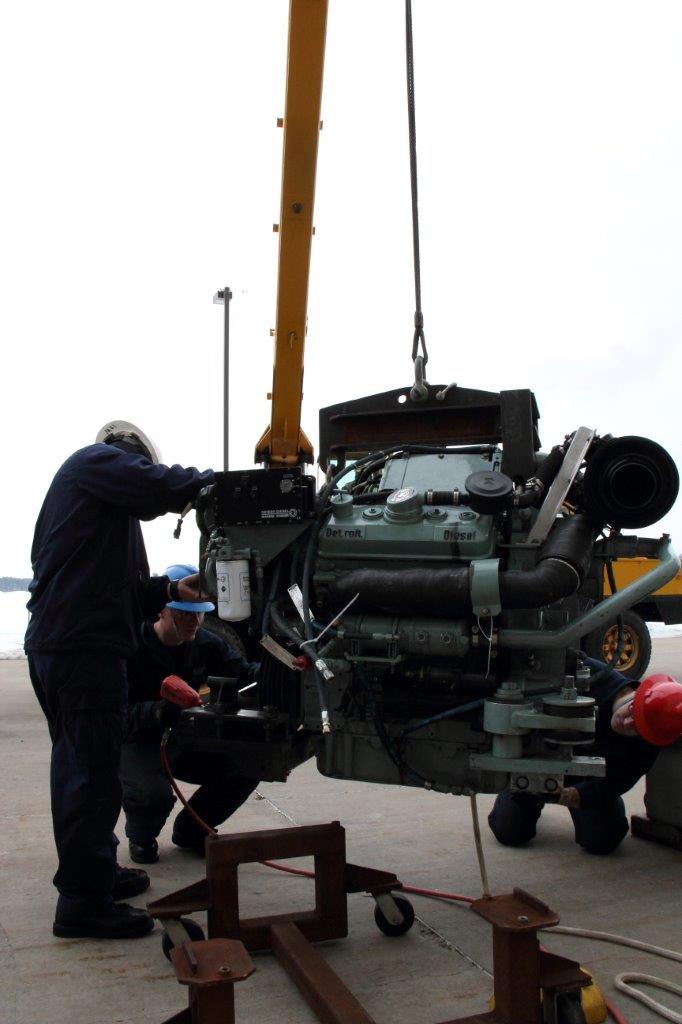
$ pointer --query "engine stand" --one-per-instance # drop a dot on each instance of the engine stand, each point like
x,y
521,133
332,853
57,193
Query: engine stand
x,y
528,981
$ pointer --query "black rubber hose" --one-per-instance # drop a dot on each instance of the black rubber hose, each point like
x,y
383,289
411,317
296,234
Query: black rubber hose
x,y
549,581
281,625
550,466
562,563
309,648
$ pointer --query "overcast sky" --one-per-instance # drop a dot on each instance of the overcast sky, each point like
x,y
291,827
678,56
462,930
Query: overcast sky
x,y
141,172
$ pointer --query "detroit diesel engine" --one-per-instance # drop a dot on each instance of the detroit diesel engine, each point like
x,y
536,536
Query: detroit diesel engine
x,y
439,582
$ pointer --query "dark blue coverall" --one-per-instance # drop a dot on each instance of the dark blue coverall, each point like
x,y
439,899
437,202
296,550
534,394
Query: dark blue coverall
x,y
147,794
90,592
600,823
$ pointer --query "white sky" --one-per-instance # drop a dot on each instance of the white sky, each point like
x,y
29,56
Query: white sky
x,y
141,172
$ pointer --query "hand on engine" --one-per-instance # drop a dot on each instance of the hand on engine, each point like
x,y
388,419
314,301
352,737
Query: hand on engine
x,y
188,589
570,797
166,714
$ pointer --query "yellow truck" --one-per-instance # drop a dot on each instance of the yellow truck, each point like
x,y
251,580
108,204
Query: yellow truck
x,y
665,605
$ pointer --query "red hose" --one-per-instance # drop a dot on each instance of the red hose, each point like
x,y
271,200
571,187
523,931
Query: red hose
x,y
454,896
289,871
616,1014
192,813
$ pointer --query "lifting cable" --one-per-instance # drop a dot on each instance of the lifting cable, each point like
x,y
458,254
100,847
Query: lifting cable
x,y
419,391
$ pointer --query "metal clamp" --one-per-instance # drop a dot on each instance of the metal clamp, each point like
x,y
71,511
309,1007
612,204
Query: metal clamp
x,y
485,587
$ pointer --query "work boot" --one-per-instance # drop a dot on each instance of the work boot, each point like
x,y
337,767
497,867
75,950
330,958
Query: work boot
x,y
143,853
102,920
194,844
129,882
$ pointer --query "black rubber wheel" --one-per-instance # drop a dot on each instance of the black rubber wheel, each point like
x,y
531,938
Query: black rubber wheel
x,y
635,652
569,1009
405,908
194,932
226,632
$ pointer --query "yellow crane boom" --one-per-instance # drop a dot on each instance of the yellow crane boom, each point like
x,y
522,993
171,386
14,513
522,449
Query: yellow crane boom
x,y
284,443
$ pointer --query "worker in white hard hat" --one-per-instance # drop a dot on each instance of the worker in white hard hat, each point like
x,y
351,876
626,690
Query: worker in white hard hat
x,y
635,719
177,645
91,590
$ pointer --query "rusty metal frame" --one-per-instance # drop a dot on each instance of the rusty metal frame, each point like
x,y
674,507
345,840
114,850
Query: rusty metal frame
x,y
210,969
325,843
527,979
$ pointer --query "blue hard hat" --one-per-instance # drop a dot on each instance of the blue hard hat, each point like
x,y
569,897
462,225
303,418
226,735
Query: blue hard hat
x,y
178,572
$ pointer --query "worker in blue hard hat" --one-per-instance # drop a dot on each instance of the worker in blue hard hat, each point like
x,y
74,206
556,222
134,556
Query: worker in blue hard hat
x,y
90,591
634,720
176,644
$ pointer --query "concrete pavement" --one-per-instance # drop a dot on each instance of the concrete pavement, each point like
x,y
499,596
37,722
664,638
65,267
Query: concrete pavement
x,y
436,972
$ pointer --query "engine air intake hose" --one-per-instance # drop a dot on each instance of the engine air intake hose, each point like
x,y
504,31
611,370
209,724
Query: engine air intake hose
x,y
562,563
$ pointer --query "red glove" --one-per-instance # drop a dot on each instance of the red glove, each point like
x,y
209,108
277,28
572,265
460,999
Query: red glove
x,y
302,663
176,691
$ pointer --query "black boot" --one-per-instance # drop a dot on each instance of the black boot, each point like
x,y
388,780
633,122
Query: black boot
x,y
144,853
129,882
103,920
186,841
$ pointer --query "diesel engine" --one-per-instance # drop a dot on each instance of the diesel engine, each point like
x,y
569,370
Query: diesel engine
x,y
439,584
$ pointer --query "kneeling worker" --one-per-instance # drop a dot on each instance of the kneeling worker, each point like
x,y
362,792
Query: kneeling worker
x,y
634,721
176,645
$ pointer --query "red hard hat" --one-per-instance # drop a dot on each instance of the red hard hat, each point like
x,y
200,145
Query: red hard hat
x,y
176,691
657,709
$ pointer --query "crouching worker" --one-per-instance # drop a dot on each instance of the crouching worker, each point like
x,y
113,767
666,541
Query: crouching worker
x,y
176,645
634,719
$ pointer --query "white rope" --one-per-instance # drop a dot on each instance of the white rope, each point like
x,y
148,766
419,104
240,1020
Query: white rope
x,y
620,940
621,982
489,639
479,845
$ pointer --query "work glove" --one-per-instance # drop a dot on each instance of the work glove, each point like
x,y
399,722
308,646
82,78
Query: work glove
x,y
166,714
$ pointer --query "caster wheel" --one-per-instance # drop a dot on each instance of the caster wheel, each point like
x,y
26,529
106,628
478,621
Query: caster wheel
x,y
569,1009
385,926
194,932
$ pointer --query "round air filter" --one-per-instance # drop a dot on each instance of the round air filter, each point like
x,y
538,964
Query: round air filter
x,y
630,482
488,491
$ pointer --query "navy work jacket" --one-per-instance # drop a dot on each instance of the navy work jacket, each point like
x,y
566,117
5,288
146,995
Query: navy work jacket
x,y
207,655
627,758
91,587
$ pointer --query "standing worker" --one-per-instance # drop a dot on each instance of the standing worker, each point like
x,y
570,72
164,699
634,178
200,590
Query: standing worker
x,y
90,592
176,645
634,720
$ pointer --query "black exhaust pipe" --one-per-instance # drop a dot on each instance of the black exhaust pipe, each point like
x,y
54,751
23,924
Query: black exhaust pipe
x,y
562,563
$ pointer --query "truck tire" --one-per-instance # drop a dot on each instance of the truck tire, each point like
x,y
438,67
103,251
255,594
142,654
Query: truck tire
x,y
226,632
636,650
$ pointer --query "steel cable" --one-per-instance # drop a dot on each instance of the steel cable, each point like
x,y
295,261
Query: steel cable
x,y
418,338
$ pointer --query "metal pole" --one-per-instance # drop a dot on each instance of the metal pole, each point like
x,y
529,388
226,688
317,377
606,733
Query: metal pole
x,y
223,297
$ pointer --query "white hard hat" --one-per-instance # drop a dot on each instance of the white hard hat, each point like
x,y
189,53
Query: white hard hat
x,y
122,430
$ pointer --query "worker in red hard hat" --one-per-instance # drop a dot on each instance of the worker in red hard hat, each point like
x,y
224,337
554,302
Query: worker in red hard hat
x,y
653,711
635,719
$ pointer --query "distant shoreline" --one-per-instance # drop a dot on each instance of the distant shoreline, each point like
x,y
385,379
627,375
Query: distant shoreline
x,y
11,583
